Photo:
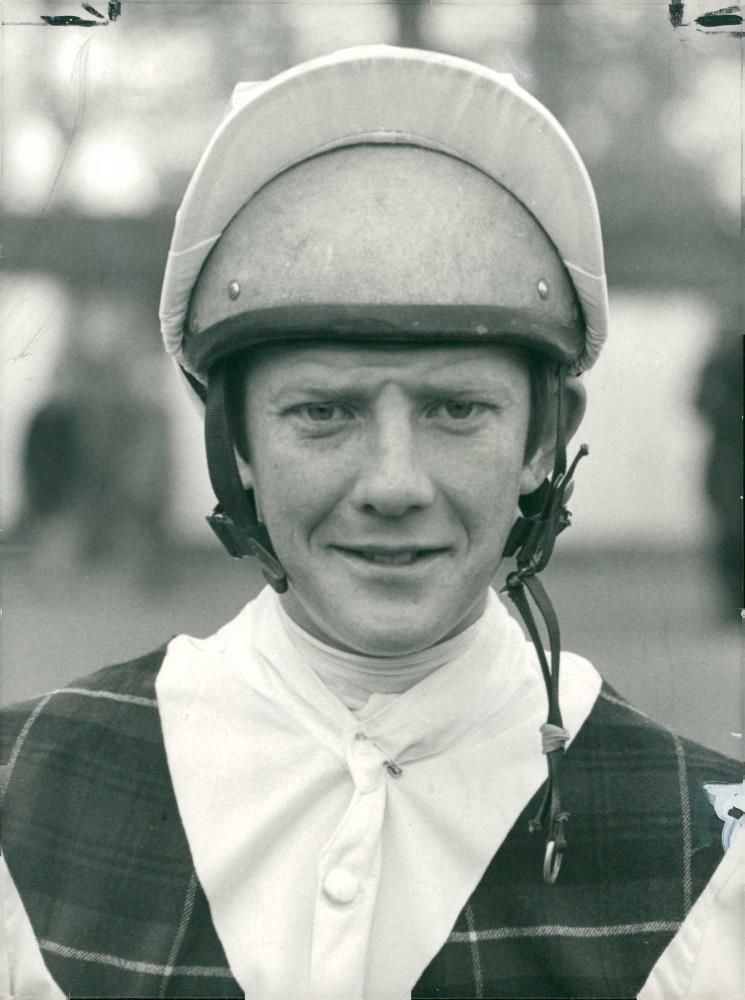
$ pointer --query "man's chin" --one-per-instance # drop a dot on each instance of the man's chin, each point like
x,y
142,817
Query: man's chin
x,y
394,634
388,645
373,621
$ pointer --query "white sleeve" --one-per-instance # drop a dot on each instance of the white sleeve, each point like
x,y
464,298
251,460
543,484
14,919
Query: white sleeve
x,y
23,974
706,958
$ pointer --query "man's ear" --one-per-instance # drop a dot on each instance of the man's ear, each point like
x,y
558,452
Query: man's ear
x,y
244,470
539,465
247,478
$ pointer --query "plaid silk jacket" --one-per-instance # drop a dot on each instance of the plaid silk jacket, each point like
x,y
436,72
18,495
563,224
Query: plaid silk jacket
x,y
93,840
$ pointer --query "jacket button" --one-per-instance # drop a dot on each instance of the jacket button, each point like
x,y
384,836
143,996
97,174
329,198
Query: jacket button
x,y
341,886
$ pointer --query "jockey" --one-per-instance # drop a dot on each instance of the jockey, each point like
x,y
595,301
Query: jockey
x,y
385,281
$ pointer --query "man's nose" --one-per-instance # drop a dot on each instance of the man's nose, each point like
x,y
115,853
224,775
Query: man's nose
x,y
393,478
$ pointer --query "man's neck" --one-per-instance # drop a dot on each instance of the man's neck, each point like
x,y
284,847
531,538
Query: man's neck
x,y
354,677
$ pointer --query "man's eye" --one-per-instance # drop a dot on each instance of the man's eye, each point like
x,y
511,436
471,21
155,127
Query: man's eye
x,y
456,409
320,413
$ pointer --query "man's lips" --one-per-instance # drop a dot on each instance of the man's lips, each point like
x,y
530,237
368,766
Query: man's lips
x,y
386,555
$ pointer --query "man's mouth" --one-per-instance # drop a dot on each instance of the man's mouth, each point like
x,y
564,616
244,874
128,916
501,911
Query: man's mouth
x,y
391,557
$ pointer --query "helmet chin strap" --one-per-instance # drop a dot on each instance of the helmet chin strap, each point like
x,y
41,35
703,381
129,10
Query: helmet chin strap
x,y
531,540
234,519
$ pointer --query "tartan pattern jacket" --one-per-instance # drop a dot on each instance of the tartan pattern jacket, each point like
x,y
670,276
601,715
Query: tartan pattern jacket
x,y
95,845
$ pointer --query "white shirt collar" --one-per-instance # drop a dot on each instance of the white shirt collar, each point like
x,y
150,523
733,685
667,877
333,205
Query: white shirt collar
x,y
286,810
487,676
354,677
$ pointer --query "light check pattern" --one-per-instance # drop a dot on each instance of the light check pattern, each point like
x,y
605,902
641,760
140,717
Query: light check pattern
x,y
94,843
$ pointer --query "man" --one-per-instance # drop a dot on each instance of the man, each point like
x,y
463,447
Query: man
x,y
385,278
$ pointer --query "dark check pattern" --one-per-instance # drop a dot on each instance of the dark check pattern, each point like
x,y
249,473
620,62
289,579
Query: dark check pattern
x,y
643,843
94,842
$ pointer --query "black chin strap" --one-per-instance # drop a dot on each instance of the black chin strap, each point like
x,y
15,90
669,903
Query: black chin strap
x,y
234,519
532,540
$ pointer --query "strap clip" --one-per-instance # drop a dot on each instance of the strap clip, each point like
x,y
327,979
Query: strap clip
x,y
555,846
231,537
532,538
239,543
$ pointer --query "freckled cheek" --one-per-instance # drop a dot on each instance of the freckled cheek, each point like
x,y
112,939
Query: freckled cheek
x,y
483,495
298,497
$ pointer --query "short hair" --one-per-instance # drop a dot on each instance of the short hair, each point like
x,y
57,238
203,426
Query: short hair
x,y
543,377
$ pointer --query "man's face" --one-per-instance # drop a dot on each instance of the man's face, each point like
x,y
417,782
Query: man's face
x,y
388,479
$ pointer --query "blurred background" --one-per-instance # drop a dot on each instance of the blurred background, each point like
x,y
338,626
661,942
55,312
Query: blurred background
x,y
105,552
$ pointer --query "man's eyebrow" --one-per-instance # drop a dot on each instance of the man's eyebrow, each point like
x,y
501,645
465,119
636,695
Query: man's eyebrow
x,y
351,384
305,378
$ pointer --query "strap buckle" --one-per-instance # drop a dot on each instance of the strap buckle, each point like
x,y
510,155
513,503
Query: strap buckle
x,y
231,537
556,844
239,544
552,862
532,538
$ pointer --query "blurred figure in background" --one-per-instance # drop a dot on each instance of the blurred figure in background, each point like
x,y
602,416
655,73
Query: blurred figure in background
x,y
719,400
52,463
97,455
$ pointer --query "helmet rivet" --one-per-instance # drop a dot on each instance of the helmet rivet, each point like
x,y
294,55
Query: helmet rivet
x,y
543,288
234,289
